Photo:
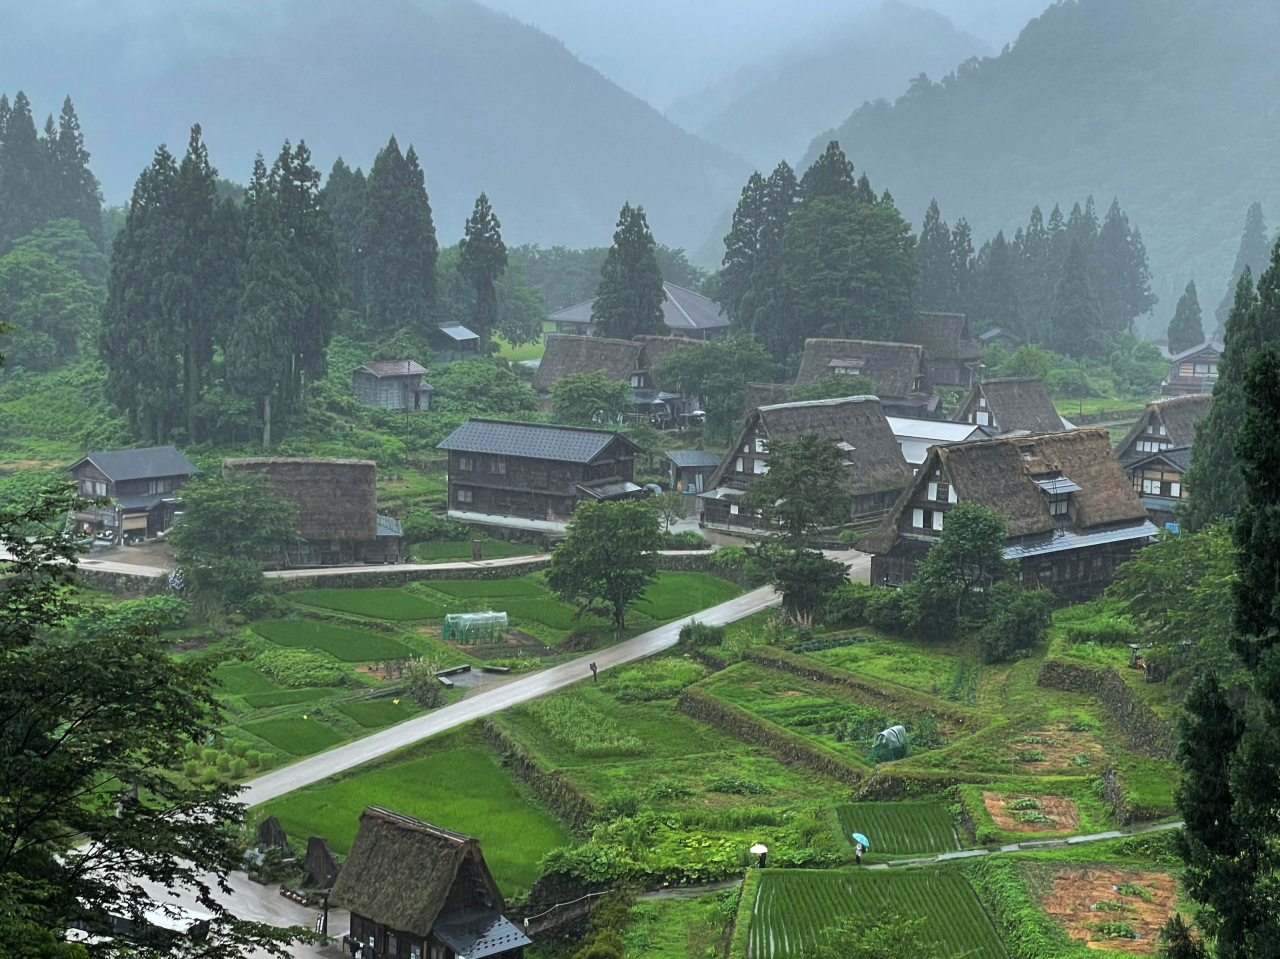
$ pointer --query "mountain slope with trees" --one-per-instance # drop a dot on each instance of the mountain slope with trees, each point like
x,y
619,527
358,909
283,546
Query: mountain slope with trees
x,y
1167,103
492,105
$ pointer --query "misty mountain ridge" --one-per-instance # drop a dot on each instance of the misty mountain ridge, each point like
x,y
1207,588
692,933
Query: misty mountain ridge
x,y
490,104
767,112
1167,104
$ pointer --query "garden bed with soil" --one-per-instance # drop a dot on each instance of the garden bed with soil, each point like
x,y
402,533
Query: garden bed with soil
x,y
1038,814
1120,910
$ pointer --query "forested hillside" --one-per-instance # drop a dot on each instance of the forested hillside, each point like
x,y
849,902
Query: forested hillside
x,y
1168,104
491,104
775,109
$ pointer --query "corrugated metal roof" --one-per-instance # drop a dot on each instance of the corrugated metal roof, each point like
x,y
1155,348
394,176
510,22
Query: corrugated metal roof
x,y
1065,539
478,931
610,490
393,367
1210,345
681,310
1057,485
149,463
389,526
570,444
456,331
148,502
683,458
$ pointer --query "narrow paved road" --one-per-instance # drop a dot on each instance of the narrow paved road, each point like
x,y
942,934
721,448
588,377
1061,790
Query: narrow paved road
x,y
314,768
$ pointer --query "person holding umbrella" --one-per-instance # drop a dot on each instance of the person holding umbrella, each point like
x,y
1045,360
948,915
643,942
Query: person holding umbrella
x,y
860,845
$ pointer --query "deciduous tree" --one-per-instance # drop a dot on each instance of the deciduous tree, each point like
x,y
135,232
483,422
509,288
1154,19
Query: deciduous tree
x,y
717,374
805,489
967,558
590,399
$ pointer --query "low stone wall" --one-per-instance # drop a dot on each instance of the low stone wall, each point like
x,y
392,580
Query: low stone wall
x,y
1147,731
121,584
400,577
740,724
549,785
885,786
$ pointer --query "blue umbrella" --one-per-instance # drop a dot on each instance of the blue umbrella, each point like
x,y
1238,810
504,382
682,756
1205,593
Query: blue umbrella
x,y
858,837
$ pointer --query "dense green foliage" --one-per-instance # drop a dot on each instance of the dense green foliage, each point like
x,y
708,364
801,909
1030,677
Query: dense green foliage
x,y
50,309
1018,620
948,590
1186,329
804,490
591,399
568,277
719,373
482,260
630,295
1252,256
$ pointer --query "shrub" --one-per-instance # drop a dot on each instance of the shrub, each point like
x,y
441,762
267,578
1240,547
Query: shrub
x,y
237,747
666,789
685,539
818,644
620,805
266,760
252,758
191,769
701,636
847,605
224,762
192,750
238,768
210,775
887,609
1102,630
420,525
209,757
1019,620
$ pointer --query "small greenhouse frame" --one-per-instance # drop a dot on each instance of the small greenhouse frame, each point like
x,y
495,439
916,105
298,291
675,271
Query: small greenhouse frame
x,y
471,629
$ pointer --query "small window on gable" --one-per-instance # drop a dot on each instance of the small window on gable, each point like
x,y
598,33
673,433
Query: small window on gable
x,y
738,465
1027,452
917,518
933,491
759,444
982,402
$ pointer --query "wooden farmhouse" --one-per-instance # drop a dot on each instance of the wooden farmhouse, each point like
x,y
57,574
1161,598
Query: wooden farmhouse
x,y
1010,406
454,343
392,384
418,891
876,469
1157,452
531,476
690,469
897,369
141,485
999,337
630,361
1193,371
951,356
337,500
1073,515
684,313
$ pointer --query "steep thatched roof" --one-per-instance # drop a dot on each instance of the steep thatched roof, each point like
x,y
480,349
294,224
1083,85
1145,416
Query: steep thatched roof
x,y
336,499
567,354
400,872
1020,403
658,348
1001,473
943,335
894,367
1177,414
765,394
871,450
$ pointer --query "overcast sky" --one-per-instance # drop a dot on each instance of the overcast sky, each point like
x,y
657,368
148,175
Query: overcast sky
x,y
664,49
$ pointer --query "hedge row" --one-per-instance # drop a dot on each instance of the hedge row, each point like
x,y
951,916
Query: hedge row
x,y
549,785
702,706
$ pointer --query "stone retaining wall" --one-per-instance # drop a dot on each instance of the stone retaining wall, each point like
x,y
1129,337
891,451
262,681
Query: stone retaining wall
x,y
549,785
400,577
1147,731
121,584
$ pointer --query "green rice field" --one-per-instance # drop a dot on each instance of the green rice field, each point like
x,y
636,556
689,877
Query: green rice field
x,y
374,713
900,828
346,643
794,906
295,735
551,613
461,788
239,679
289,697
438,551
679,594
485,588
392,604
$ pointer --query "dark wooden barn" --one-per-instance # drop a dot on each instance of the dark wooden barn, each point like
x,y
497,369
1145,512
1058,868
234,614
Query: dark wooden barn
x,y
141,485
418,891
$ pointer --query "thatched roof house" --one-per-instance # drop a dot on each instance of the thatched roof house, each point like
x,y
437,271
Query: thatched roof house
x,y
1064,496
567,354
876,469
1165,424
952,355
412,887
1010,405
764,394
895,367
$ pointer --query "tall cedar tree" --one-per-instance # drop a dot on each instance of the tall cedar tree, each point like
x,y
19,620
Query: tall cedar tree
x,y
94,716
1230,796
994,301
483,259
1213,481
1186,329
1075,318
629,299
344,200
741,247
1252,256
609,558
937,267
831,175
75,193
137,341
762,308
399,247
805,489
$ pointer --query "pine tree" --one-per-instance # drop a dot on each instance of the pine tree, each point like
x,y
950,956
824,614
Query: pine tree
x,y
866,194
741,246
630,296
483,259
962,264
1123,277
75,193
762,307
138,342
23,178
1185,329
937,269
996,289
1075,317
830,175
344,200
400,246
1252,254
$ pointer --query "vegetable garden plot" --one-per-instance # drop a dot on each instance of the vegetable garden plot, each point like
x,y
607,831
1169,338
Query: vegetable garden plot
x,y
342,642
900,828
794,907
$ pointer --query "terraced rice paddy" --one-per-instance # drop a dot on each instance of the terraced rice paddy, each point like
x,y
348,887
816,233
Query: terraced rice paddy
x,y
296,736
342,642
794,907
391,604
900,828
